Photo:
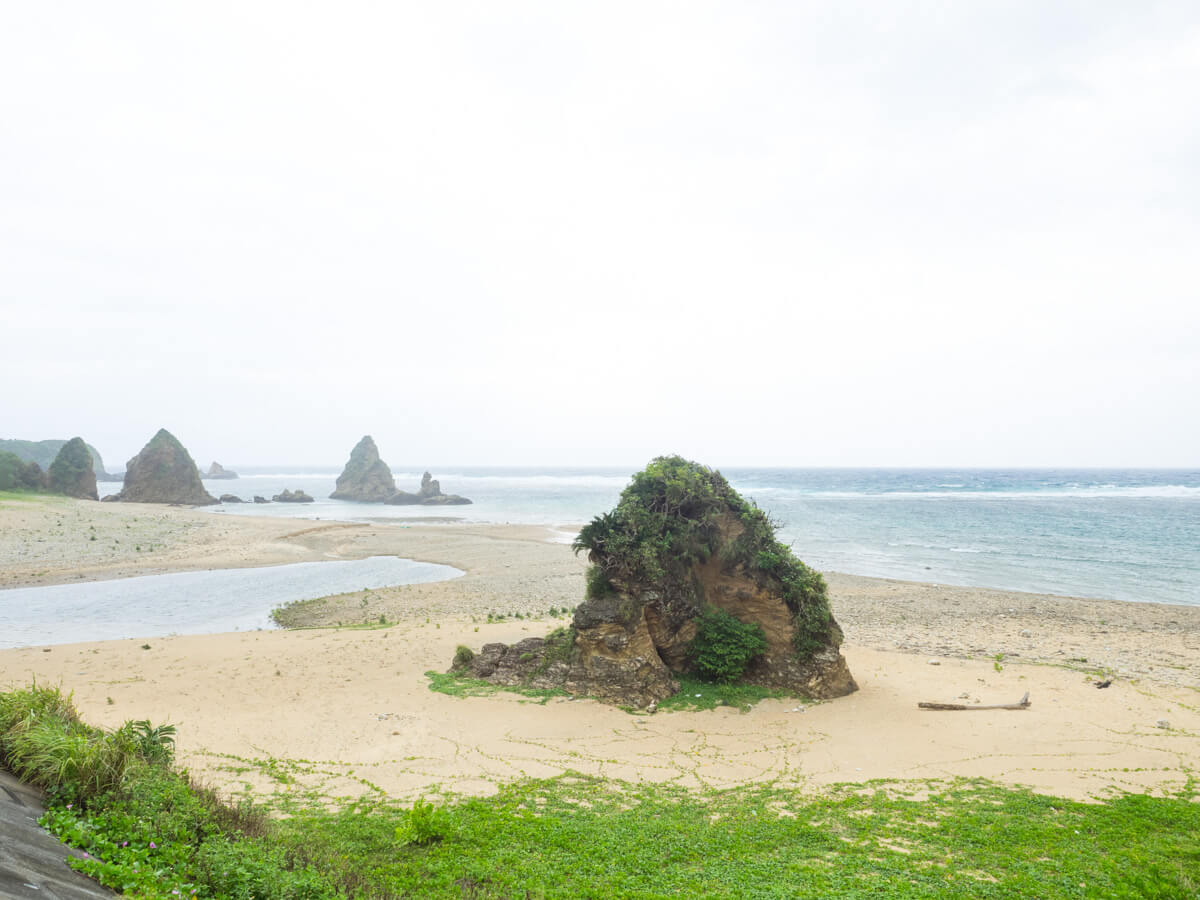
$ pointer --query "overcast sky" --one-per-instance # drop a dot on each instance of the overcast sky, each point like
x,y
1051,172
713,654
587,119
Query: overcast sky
x,y
796,234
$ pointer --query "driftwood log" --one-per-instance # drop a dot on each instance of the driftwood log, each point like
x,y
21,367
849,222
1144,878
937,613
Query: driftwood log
x,y
1022,704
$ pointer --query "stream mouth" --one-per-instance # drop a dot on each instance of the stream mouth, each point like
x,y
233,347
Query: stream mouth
x,y
210,602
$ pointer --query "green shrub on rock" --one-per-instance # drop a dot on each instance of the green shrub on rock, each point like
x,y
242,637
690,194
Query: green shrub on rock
x,y
725,646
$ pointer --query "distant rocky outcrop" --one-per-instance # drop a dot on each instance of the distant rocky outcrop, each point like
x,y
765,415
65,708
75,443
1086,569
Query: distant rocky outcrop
x,y
686,577
71,472
231,498
290,497
163,472
258,499
216,470
43,453
429,494
366,478
17,474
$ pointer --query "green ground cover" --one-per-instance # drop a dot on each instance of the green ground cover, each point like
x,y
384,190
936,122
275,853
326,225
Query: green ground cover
x,y
151,832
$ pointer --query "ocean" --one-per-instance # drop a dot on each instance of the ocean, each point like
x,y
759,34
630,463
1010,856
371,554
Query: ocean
x,y
1121,534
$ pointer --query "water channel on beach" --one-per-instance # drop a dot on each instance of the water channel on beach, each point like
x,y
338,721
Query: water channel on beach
x,y
209,602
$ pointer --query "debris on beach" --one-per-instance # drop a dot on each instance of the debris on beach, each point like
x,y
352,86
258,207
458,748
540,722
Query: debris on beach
x,y
1023,703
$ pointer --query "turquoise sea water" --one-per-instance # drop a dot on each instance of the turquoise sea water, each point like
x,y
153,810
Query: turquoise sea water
x,y
1124,534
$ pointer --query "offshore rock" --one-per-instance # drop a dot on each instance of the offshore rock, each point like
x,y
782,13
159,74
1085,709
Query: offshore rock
x,y
429,494
366,478
291,497
163,472
231,498
71,473
258,499
216,470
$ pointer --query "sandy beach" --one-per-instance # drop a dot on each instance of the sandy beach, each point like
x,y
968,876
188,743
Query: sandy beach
x,y
348,710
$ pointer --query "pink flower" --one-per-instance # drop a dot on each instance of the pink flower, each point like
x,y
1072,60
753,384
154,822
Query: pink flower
x,y
153,846
85,854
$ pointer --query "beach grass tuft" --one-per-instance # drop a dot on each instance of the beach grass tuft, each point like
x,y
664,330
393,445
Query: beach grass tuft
x,y
455,684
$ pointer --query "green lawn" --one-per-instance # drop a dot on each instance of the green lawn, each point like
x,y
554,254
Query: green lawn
x,y
150,832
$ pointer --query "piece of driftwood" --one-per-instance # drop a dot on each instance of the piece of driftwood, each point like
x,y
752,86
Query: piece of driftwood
x,y
1023,704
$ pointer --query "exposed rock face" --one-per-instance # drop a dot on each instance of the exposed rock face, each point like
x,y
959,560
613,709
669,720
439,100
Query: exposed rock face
x,y
291,497
682,549
231,498
163,472
258,499
71,473
522,663
216,470
366,477
429,494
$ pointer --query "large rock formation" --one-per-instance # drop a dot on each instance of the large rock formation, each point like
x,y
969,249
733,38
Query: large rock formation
x,y
366,477
17,474
686,577
429,494
71,473
163,472
43,453
216,470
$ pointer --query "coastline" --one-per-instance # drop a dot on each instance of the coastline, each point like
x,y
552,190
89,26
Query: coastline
x,y
357,701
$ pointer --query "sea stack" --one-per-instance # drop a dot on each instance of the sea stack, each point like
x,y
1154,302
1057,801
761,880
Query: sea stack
x,y
429,494
686,578
287,496
216,470
366,477
163,472
71,473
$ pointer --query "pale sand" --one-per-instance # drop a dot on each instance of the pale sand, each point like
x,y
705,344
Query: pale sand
x,y
348,711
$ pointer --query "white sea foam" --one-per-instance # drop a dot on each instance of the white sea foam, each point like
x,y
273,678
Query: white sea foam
x,y
1168,491
599,481
277,476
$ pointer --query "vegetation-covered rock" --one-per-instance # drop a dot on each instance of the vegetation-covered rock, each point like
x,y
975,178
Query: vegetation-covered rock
x,y
43,453
17,474
71,472
366,478
163,472
687,577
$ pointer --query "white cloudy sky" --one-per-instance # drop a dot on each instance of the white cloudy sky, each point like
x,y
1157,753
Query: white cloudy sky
x,y
563,233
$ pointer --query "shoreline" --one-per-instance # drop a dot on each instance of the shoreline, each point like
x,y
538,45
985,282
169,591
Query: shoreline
x,y
538,572
356,701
